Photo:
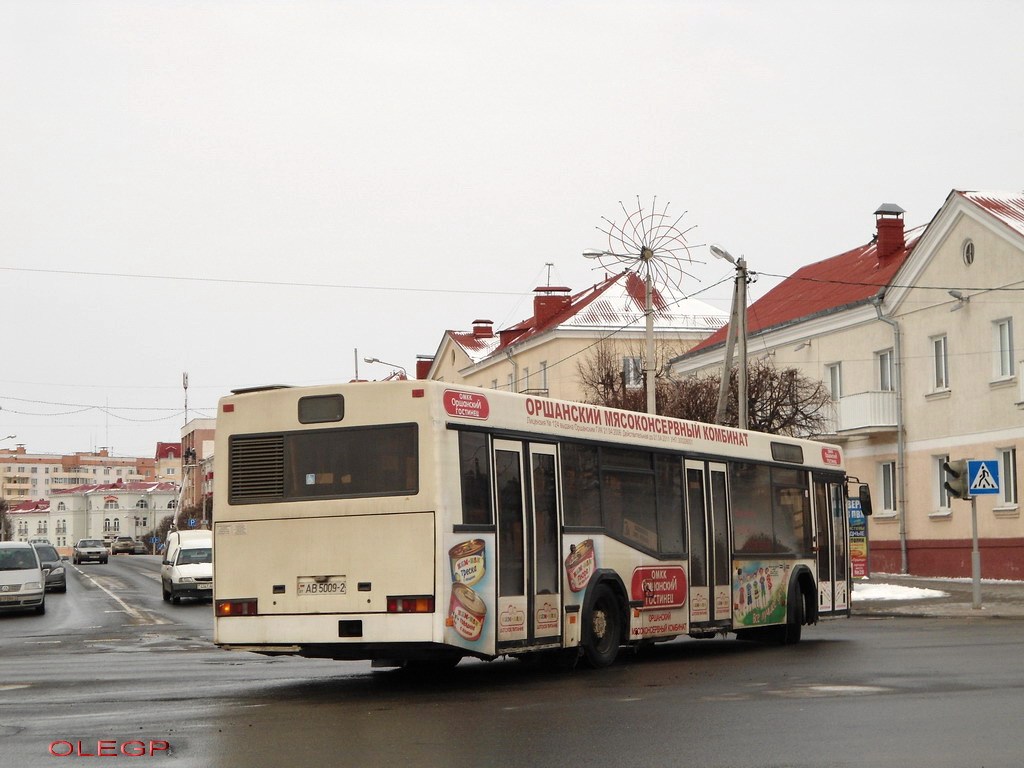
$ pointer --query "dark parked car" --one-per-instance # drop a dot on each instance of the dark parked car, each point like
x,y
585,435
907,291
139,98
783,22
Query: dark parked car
x,y
57,578
89,550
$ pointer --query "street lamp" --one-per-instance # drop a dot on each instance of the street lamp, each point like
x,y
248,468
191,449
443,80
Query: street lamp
x,y
405,375
737,334
646,254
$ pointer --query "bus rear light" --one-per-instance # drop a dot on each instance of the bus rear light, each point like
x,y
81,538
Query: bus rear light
x,y
236,608
229,407
411,604
418,393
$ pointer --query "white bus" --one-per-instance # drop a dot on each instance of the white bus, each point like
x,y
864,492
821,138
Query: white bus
x,y
416,523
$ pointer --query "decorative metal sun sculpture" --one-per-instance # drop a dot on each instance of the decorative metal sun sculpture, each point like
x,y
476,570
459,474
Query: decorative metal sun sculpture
x,y
650,243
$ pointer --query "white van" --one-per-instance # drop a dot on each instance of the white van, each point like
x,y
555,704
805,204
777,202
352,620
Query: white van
x,y
22,577
187,567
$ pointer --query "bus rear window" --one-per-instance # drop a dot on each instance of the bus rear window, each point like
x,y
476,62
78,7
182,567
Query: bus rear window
x,y
330,463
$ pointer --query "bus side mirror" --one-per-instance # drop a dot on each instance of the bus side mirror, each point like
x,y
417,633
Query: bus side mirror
x,y
865,500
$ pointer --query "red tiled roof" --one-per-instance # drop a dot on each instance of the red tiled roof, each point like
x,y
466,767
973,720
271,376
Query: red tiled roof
x,y
41,505
825,286
1008,207
168,450
617,301
136,486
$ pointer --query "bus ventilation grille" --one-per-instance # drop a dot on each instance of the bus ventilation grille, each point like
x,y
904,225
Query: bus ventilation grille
x,y
256,468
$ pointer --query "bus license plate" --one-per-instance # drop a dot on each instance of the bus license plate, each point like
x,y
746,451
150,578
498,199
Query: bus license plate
x,y
332,585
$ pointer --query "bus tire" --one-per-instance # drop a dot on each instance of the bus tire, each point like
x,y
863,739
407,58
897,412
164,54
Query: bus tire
x,y
795,612
602,628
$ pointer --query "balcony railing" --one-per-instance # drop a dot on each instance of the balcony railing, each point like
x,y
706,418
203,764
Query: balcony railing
x,y
866,412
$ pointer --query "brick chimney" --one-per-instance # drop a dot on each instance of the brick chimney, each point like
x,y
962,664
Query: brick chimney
x,y
549,301
423,363
889,234
483,329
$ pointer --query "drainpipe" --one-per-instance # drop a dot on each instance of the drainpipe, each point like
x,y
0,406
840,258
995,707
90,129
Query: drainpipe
x,y
515,370
901,449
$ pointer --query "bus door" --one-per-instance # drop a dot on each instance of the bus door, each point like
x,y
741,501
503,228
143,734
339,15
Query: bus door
x,y
831,544
707,509
529,545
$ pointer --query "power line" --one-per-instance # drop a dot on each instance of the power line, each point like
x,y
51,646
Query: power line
x,y
275,283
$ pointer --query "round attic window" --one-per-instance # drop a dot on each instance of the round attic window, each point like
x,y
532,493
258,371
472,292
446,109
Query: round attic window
x,y
968,252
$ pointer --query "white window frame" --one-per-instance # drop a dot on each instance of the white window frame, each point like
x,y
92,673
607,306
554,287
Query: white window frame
x,y
943,497
886,370
632,373
1008,476
1003,348
887,482
834,372
940,363
544,375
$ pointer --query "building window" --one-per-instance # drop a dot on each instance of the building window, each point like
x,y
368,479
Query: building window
x,y
106,524
526,378
494,383
939,472
110,504
172,504
1008,475
888,473
968,252
510,382
835,380
117,523
940,363
1004,347
142,504
61,507
632,373
544,375
886,378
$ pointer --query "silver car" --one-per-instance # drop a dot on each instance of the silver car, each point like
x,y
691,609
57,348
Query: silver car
x,y
90,551
22,579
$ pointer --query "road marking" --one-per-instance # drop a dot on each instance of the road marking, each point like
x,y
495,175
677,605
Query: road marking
x,y
137,616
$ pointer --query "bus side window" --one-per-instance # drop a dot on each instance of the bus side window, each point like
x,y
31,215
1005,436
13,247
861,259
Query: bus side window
x,y
670,505
475,473
581,496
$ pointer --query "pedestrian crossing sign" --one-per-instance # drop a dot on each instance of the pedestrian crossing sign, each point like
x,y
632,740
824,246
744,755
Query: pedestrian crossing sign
x,y
983,477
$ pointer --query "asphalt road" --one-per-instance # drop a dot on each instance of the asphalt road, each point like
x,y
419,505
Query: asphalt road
x,y
110,666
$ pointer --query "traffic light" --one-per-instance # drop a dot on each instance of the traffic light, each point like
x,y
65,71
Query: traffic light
x,y
956,478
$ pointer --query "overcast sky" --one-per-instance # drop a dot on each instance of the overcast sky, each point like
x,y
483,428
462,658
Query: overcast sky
x,y
327,177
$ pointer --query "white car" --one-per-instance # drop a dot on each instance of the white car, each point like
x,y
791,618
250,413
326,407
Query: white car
x,y
22,578
187,567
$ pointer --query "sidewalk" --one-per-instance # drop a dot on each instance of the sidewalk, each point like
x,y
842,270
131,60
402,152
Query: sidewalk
x,y
999,599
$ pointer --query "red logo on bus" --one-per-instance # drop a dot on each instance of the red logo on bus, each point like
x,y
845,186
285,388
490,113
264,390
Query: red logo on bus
x,y
831,456
660,586
468,405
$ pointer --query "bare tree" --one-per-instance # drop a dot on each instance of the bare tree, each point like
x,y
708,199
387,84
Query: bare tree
x,y
612,375
780,401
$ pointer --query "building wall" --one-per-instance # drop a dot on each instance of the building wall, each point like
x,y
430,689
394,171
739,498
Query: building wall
x,y
979,415
548,364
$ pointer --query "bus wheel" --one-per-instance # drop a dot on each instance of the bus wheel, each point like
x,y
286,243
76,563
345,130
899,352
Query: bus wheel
x,y
602,629
790,633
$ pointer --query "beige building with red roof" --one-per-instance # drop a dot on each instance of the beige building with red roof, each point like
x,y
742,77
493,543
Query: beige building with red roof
x,y
915,334
540,355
